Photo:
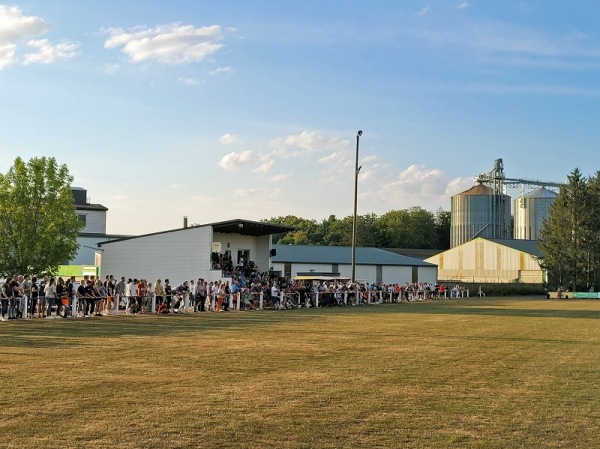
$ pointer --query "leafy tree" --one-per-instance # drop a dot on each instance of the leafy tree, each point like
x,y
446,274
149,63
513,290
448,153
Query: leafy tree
x,y
339,233
442,229
368,232
410,228
422,228
395,228
38,223
303,234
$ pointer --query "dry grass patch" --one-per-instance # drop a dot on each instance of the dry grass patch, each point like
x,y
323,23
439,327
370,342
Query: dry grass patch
x,y
494,373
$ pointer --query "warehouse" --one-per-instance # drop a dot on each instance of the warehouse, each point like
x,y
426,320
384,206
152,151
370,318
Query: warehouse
x,y
190,252
491,261
372,264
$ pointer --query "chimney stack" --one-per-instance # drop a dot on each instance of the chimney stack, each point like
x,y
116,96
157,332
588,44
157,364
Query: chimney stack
x,y
185,225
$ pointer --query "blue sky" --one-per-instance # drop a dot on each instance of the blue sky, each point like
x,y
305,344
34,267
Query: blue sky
x,y
249,109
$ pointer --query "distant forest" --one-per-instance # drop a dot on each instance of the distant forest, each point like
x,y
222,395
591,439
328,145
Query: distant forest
x,y
414,228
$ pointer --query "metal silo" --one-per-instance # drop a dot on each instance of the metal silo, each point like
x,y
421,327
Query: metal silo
x,y
479,212
530,210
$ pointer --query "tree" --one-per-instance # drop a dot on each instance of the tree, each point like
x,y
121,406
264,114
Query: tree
x,y
304,233
593,232
408,228
339,232
38,222
568,236
442,229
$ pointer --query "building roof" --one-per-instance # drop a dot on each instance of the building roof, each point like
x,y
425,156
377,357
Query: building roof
x,y
526,246
478,189
542,192
98,207
97,235
247,227
342,255
237,226
421,254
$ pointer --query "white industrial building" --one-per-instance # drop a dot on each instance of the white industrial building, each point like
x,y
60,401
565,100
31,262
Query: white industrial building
x,y
93,217
484,260
187,253
372,264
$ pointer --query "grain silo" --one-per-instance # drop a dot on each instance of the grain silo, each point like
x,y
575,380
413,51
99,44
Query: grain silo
x,y
479,212
530,210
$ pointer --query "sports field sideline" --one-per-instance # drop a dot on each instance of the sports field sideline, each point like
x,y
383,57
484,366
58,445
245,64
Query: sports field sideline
x,y
462,373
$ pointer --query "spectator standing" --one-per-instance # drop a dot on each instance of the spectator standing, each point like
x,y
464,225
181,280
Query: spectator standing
x,y
50,296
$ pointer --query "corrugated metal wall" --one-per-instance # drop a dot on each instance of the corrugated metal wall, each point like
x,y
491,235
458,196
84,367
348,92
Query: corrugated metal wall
x,y
479,215
481,260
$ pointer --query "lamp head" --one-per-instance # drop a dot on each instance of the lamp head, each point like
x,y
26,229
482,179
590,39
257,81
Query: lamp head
x,y
359,133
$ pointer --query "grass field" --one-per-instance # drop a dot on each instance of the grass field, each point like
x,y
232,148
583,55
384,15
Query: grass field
x,y
468,373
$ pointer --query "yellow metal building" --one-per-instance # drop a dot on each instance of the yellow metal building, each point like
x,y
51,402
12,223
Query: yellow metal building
x,y
491,261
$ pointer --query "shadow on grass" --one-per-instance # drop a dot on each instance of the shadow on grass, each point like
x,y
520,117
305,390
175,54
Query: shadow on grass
x,y
82,332
76,331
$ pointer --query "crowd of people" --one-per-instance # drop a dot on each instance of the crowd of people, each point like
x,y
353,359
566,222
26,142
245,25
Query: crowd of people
x,y
23,296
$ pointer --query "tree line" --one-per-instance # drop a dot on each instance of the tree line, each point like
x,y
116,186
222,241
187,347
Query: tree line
x,y
414,228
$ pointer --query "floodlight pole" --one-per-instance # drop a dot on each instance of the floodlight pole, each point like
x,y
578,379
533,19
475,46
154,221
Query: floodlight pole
x,y
354,229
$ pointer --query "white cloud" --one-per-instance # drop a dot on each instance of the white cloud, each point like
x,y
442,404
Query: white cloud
x,y
47,53
424,11
228,139
16,28
221,70
234,160
169,44
456,186
264,167
248,193
306,142
327,164
7,55
189,81
462,5
111,69
416,180
278,178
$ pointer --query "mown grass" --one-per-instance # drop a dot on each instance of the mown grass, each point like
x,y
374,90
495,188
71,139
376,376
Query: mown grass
x,y
469,373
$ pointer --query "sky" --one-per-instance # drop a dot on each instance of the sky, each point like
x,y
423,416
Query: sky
x,y
225,109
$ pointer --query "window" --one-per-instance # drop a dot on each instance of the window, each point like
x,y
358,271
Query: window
x,y
82,218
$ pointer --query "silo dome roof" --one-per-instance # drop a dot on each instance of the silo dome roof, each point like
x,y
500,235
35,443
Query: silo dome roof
x,y
478,189
542,192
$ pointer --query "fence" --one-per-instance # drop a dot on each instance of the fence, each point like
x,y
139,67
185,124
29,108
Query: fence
x,y
77,307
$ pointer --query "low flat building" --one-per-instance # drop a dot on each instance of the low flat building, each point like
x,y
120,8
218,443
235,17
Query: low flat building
x,y
372,264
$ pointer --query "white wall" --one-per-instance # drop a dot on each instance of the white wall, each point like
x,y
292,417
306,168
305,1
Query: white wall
x,y
179,256
258,246
390,274
366,273
95,222
262,257
87,250
428,274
